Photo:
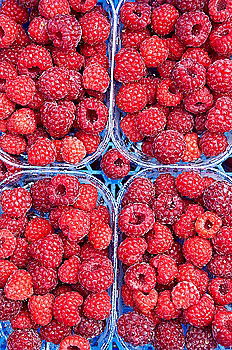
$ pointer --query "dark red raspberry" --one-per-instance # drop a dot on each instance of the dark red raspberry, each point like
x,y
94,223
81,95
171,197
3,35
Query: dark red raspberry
x,y
54,332
42,152
37,228
165,69
24,339
20,256
193,28
135,16
8,308
169,146
221,39
198,54
115,165
7,72
97,306
166,268
220,290
131,250
51,8
89,328
40,307
20,90
73,341
154,51
165,308
74,223
6,269
96,274
141,190
131,97
16,202
180,120
169,335
185,294
68,59
165,183
37,30
186,5
135,329
212,144
220,10
133,39
82,6
39,195
95,28
217,197
87,197
199,339
221,108
201,314
23,320
136,219
9,31
197,250
13,144
190,184
220,266
19,285
150,121
54,83
219,75
222,242
198,101
141,277
168,208
66,308
159,239
72,150
164,18
44,279
221,327
63,190
175,46
90,141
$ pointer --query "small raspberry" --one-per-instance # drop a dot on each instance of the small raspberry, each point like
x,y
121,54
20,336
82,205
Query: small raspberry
x,y
42,152
96,77
87,197
51,8
9,31
131,97
212,144
22,121
7,72
115,165
175,47
73,341
135,16
131,250
220,10
40,196
192,151
180,120
165,308
154,51
219,117
16,202
201,314
168,335
20,256
97,306
24,339
44,279
199,101
221,39
37,228
74,223
219,75
133,39
168,208
68,271
190,273
54,332
150,121
197,250
199,339
95,28
165,183
63,190
198,54
164,18
19,285
189,184
221,327
89,328
140,277
66,308
13,144
169,146
159,239
40,307
6,269
54,83
37,30
20,90
222,242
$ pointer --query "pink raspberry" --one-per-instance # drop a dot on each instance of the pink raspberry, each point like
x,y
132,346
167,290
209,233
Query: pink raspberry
x,y
180,120
219,11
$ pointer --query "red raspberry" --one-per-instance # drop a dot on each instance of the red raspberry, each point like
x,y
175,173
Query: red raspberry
x,y
63,190
221,327
147,147
129,66
16,202
39,195
166,268
15,11
66,308
201,314
54,83
95,28
68,59
20,90
144,302
54,332
37,30
165,69
165,183
10,54
220,266
20,256
37,228
13,144
175,47
163,19
70,248
221,39
74,223
88,50
96,274
114,164
151,83
136,219
7,72
87,197
175,252
88,252
217,197
55,215
7,107
40,307
165,308
219,11
91,115
89,328
169,146
96,77
130,128
212,144
141,190
168,208
133,39
168,335
131,97
127,295
24,339
51,8
159,239
44,279
33,60
100,235
9,31
198,54
222,242
68,271
167,93
185,294
192,151
219,117
91,142
208,224
141,277
199,339
97,306
22,38
23,320
193,28
180,120
198,101
100,214
8,308
190,184
150,121
22,122
73,150
48,250
221,290
197,250
6,269
8,243
154,51
186,5
42,152
184,227
190,273
19,285
219,75
131,250
82,6
135,329
73,341
135,16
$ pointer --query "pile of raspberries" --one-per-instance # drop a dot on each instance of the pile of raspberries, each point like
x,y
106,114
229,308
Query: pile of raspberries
x,y
53,79
176,77
176,252
54,265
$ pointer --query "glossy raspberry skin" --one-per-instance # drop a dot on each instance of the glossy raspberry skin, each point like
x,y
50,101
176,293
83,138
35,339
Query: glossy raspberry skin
x,y
44,279
201,314
154,51
50,9
165,183
19,285
180,120
88,252
54,332
23,320
20,256
22,121
134,280
220,11
97,306
165,308
9,29
198,251
37,30
167,93
221,290
74,223
68,59
131,250
101,27
169,335
168,208
220,266
219,75
89,328
37,228
135,16
131,97
220,327
24,339
115,165
150,83
175,46
20,89
8,308
164,18
219,117
15,11
213,144
222,241
208,224
100,235
54,83
7,72
198,54
87,197
145,302
84,6
199,339
42,152
199,101
90,141
8,243
192,151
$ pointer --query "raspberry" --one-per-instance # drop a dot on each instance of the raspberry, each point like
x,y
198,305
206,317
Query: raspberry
x,y
100,214
198,101
180,120
222,241
9,31
20,90
8,308
221,39
97,306
51,8
166,268
33,60
165,308
131,250
24,339
48,250
208,224
219,117
175,47
88,252
91,115
168,335
136,219
129,66
23,320
74,223
100,235
87,197
7,72
20,256
219,10
163,19
133,39
37,228
6,269
165,183
189,184
54,332
19,285
220,266
198,54
40,307
127,295
135,329
193,28
39,195
167,94
190,273
169,146
13,144
95,28
221,327
66,308
197,250
199,339
73,341
212,144
165,69
22,122
44,279
140,277
68,271
186,5
89,328
82,6
175,252
115,165
68,59
150,83
159,239
154,51
16,202
185,294
22,38
55,215
219,75
8,243
90,141
184,227
54,83
37,30
147,147
141,190
88,50
42,152
15,11
70,248
217,197
221,290
201,314
168,208
150,121
131,97
63,190
135,16
95,77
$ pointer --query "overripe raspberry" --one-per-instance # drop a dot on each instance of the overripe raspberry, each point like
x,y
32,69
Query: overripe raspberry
x,y
135,329
20,90
133,39
37,30
21,256
193,28
131,250
219,10
37,228
68,271
8,243
19,285
168,335
39,195
199,339
175,46
150,121
166,268
197,250
168,208
23,320
180,120
6,269
89,328
219,117
42,152
97,306
96,78
201,314
40,307
221,327
165,308
24,339
13,144
68,59
22,121
88,251
221,39
73,341
63,190
44,279
87,197
16,202
219,75
159,239
190,184
165,183
212,144
135,16
131,97
164,18
8,308
54,83
51,8
140,276
74,223
129,66
66,308
198,54
82,6
169,146
198,101
95,28
154,51
7,72
190,273
222,241
136,219
115,165
54,332
185,294
220,290
9,31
